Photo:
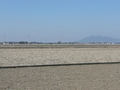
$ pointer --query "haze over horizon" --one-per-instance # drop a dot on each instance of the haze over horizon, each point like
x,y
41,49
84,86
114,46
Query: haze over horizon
x,y
58,20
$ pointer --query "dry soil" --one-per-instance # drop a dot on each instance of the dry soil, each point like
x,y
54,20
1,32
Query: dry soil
x,y
75,77
19,57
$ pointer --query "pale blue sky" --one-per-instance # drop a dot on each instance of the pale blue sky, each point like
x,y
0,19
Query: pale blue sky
x,y
58,20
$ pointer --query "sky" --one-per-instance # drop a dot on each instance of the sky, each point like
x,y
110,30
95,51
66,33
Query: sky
x,y
58,20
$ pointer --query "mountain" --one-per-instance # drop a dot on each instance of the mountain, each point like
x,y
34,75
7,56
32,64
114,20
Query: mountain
x,y
100,39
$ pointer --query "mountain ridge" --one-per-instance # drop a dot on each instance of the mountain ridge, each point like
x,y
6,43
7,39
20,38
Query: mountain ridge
x,y
99,39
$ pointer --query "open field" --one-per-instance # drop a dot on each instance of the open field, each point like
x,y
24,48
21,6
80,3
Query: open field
x,y
74,77
64,77
44,56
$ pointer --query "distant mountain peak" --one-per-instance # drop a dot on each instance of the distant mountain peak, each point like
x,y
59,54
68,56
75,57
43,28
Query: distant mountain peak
x,y
99,38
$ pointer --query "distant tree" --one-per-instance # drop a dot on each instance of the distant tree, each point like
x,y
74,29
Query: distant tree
x,y
23,42
59,42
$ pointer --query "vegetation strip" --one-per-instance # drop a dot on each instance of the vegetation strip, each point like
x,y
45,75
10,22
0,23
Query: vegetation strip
x,y
47,65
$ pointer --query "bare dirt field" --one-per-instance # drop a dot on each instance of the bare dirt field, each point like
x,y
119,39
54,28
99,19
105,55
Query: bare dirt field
x,y
74,77
71,77
19,57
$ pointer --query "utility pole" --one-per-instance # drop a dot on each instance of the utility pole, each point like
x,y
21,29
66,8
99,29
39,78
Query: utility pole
x,y
4,38
28,39
62,39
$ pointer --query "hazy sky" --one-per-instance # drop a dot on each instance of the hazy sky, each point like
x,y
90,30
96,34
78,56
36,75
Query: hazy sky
x,y
58,20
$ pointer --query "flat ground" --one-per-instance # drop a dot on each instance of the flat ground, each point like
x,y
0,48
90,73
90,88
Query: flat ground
x,y
75,77
71,77
39,56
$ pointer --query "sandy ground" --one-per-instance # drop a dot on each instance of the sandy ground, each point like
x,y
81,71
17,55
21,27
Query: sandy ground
x,y
19,57
76,77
